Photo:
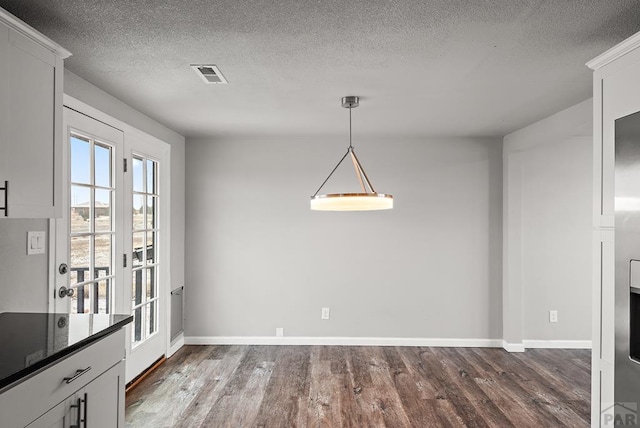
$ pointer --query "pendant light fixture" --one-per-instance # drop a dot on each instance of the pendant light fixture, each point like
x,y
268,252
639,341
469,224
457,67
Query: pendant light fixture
x,y
368,199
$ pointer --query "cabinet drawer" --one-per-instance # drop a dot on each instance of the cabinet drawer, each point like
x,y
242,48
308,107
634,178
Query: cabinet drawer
x,y
28,400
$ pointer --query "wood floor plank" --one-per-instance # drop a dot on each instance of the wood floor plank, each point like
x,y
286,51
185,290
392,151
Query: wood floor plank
x,y
226,412
435,364
467,377
385,395
329,386
421,412
216,374
534,393
288,381
180,384
520,399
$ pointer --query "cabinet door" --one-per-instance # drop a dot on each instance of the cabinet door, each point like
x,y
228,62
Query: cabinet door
x,y
31,93
31,132
104,399
64,415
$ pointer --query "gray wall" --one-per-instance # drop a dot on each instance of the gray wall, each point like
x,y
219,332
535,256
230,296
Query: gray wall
x,y
23,279
258,258
547,228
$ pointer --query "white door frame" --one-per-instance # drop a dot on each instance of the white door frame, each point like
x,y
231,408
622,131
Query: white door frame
x,y
165,268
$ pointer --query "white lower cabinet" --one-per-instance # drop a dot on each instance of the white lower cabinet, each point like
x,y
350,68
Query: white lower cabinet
x,y
97,405
83,390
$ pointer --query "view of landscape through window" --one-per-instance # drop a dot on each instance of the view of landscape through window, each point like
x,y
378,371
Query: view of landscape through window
x,y
145,254
93,230
91,225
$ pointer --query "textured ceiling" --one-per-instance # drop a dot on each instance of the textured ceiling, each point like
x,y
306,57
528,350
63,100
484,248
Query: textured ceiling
x,y
443,67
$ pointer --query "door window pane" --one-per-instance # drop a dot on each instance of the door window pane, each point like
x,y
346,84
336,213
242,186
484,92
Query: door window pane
x,y
138,212
138,249
138,175
151,212
151,254
151,317
80,160
104,292
102,165
102,254
136,290
151,286
80,209
80,302
102,210
151,176
137,325
80,258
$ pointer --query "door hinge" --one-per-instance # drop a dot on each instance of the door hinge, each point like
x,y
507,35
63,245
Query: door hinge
x,y
125,164
124,260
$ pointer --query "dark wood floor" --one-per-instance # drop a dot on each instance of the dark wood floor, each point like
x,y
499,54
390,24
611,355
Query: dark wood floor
x,y
332,386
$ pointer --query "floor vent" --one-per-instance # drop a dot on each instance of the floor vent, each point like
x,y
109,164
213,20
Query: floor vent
x,y
209,73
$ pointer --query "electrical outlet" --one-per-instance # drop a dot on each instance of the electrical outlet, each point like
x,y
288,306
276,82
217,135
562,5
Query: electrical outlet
x,y
553,316
279,332
325,314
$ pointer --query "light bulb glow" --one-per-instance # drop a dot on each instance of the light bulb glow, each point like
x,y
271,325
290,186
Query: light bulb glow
x,y
352,202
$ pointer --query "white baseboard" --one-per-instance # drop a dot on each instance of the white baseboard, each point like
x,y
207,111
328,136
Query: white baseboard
x,y
342,341
557,344
383,341
513,347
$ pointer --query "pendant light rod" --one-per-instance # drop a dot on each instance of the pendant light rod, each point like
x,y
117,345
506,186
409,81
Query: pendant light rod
x,y
350,145
330,174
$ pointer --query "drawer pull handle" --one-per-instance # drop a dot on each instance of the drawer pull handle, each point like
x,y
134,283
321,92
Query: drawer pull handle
x,y
79,373
6,199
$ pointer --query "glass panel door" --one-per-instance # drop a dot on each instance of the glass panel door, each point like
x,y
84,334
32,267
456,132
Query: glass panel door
x,y
146,184
90,233
145,238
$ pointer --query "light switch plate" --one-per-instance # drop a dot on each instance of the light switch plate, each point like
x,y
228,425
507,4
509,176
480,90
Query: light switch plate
x,y
35,242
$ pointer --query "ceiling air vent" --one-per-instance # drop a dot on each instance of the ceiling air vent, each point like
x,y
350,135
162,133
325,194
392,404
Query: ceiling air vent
x,y
209,73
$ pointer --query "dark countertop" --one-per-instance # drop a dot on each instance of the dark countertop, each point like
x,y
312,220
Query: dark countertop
x,y
32,341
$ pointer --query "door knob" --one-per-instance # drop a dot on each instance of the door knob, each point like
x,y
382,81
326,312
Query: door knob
x,y
66,292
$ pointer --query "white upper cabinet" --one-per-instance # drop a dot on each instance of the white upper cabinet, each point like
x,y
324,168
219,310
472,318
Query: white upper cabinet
x,y
31,75
616,94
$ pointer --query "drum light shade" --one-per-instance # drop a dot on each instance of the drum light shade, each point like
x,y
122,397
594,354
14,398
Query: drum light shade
x,y
352,202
